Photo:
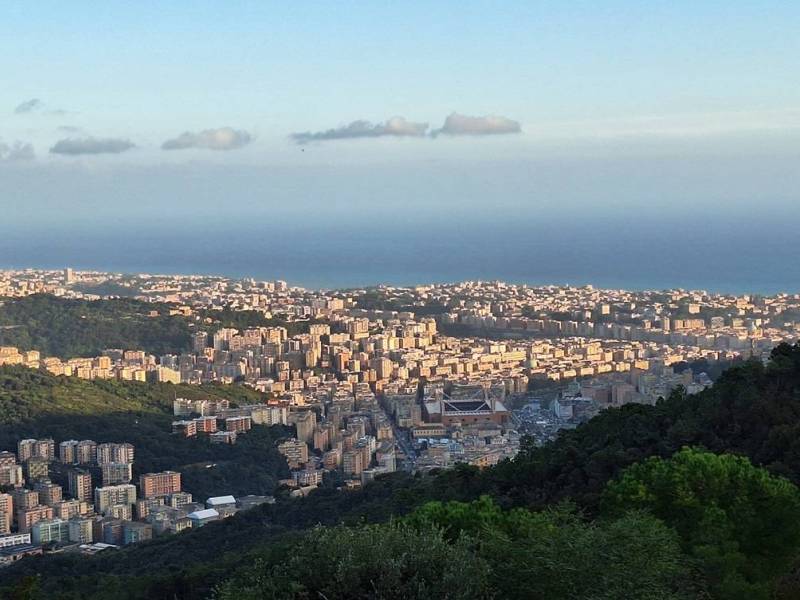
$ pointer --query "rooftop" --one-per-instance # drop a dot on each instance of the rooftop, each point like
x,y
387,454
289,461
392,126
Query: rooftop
x,y
208,513
217,500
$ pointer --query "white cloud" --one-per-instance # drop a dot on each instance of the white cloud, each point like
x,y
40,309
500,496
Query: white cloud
x,y
394,127
224,138
28,106
458,124
90,145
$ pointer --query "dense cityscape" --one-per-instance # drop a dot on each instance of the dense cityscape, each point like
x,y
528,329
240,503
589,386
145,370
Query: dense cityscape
x,y
399,301
371,380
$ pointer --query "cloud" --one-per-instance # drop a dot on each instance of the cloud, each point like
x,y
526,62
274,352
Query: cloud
x,y
29,106
16,151
394,127
69,128
457,124
36,105
90,145
224,138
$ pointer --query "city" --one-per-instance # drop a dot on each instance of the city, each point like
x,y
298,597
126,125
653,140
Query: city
x,y
373,381
399,301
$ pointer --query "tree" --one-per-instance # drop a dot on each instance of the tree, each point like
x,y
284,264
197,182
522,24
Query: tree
x,y
70,328
740,522
388,562
557,554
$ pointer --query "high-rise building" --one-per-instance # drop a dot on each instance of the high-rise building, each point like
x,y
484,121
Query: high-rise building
x,y
352,462
25,498
66,509
79,484
238,424
27,517
50,530
6,513
166,519
199,342
115,473
133,531
223,437
159,484
86,452
358,326
383,367
308,476
386,457
68,452
80,530
46,449
179,499
107,497
305,423
31,448
36,469
166,375
49,492
144,506
332,459
11,475
205,424
295,451
222,338
185,428
114,453
321,439
121,511
108,530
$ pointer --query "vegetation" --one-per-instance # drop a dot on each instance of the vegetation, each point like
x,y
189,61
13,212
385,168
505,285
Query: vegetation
x,y
78,328
85,328
617,508
27,395
372,561
36,404
376,300
738,521
557,554
108,288
702,365
244,319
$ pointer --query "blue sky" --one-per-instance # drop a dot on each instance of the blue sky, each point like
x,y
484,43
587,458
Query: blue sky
x,y
695,93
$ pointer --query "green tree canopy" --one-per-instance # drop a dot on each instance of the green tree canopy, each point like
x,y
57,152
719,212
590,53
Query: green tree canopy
x,y
740,522
388,562
70,328
557,554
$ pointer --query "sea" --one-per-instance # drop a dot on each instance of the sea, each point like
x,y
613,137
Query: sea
x,y
733,256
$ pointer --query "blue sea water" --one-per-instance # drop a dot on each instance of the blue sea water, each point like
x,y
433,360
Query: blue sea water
x,y
737,256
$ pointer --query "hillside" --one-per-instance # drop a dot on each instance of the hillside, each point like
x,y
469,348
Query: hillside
x,y
36,404
26,395
69,328
77,328
752,411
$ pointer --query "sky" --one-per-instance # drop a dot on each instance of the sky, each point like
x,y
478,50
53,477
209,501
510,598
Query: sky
x,y
122,113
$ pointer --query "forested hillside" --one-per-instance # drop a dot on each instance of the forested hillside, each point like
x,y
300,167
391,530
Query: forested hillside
x,y
693,498
69,328
74,328
36,404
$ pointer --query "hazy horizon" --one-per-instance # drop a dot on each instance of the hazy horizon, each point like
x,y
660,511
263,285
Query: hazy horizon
x,y
705,256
